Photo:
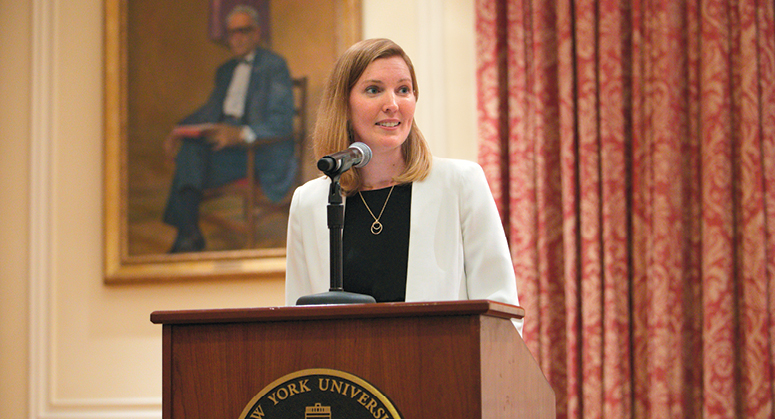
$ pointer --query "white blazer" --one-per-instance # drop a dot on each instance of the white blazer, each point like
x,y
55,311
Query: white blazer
x,y
457,247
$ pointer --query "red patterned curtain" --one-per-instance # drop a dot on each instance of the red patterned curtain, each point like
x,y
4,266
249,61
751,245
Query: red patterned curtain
x,y
631,148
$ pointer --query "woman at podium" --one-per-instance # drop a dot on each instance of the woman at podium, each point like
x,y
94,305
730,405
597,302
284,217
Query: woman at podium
x,y
416,228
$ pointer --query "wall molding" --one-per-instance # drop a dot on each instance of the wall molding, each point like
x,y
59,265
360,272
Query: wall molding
x,y
431,46
43,401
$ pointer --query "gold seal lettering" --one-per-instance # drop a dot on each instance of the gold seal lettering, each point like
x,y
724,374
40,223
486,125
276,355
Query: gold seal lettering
x,y
321,385
337,386
354,392
372,404
303,385
258,413
291,390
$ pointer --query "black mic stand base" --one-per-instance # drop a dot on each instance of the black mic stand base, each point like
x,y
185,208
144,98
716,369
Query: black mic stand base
x,y
335,297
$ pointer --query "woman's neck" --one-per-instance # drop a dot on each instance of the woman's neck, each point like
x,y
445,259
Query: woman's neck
x,y
380,172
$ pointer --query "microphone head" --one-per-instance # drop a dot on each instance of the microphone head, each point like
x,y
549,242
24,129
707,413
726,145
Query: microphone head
x,y
326,164
365,150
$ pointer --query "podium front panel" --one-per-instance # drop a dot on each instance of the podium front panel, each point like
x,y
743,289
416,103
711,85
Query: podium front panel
x,y
428,368
427,359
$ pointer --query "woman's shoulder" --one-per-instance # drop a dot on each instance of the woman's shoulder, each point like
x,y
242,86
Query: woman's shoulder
x,y
316,185
456,168
312,191
446,163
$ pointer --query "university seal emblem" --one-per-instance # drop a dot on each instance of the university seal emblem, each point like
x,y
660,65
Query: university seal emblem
x,y
320,394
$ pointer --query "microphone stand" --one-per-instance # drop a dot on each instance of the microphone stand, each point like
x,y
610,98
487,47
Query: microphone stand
x,y
336,294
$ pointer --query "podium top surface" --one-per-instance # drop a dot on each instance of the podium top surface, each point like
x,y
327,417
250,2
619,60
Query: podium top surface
x,y
324,312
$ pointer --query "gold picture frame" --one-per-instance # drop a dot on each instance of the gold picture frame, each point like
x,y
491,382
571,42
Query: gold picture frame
x,y
338,25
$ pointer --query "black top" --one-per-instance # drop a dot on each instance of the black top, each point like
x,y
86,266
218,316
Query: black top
x,y
376,264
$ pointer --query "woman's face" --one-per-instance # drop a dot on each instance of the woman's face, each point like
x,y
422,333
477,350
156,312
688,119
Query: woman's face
x,y
382,104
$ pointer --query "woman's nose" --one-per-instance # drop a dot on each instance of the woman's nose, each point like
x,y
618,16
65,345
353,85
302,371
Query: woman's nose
x,y
390,102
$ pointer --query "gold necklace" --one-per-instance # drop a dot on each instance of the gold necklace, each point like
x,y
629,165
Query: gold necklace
x,y
376,226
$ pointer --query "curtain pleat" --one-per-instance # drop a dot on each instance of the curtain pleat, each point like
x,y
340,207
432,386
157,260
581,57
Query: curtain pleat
x,y
630,146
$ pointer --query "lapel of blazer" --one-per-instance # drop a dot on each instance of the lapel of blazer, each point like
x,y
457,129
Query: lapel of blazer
x,y
426,196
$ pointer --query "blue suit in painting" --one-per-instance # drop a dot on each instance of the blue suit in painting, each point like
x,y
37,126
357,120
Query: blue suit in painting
x,y
268,111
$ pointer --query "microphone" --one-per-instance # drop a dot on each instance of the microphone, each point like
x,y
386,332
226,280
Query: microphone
x,y
358,155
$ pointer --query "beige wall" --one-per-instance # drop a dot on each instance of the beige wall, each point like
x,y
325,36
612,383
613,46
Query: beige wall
x,y
15,39
70,345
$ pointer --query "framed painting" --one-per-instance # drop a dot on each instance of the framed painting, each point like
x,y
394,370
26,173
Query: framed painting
x,y
160,64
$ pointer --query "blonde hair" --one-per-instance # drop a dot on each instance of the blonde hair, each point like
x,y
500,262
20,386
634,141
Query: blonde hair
x,y
332,129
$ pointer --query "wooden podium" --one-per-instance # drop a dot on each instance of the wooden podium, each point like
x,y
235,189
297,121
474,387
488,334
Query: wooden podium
x,y
460,359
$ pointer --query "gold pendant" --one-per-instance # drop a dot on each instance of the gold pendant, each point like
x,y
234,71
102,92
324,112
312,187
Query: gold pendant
x,y
376,228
